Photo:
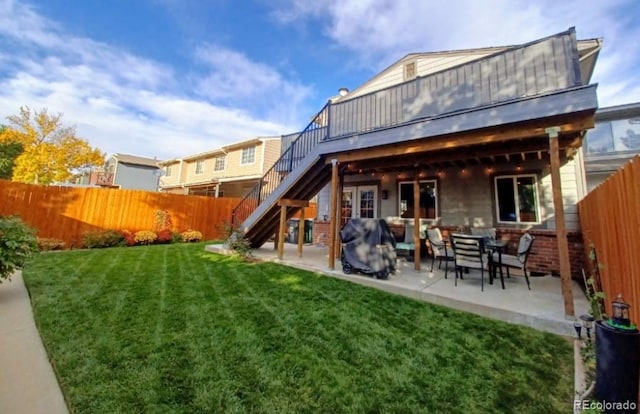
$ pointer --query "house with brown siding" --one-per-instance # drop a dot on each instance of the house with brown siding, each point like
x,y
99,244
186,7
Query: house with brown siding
x,y
229,171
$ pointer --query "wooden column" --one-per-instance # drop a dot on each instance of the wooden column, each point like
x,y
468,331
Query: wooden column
x,y
332,214
301,224
281,230
561,229
284,203
416,222
338,249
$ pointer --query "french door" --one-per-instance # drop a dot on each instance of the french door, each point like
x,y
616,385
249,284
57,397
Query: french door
x,y
359,202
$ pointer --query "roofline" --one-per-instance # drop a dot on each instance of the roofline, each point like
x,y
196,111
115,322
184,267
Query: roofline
x,y
224,149
618,112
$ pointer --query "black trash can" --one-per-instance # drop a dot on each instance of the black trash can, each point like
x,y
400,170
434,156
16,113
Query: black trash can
x,y
617,368
292,231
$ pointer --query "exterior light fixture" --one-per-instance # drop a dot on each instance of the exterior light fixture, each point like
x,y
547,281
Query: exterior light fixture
x,y
578,327
620,314
587,323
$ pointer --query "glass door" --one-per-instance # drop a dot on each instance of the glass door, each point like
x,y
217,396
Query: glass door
x,y
367,201
348,203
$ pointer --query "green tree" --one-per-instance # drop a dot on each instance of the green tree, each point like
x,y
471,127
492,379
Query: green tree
x,y
9,151
51,151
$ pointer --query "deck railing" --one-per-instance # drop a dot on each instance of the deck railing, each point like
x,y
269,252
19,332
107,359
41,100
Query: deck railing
x,y
542,66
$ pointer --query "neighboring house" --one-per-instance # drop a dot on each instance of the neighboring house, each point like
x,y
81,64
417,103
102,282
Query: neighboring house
x,y
614,141
229,171
128,172
486,137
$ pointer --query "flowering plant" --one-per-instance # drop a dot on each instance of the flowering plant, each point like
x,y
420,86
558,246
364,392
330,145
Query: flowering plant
x,y
191,236
145,237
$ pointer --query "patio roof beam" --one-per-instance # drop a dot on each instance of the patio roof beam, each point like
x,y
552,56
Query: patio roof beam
x,y
434,160
467,139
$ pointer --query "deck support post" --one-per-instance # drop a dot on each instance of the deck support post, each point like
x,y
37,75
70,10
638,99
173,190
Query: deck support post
x,y
338,248
301,224
561,229
281,230
333,214
416,222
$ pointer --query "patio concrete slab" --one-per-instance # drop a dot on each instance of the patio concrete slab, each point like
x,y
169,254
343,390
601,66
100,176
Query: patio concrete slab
x,y
27,381
541,308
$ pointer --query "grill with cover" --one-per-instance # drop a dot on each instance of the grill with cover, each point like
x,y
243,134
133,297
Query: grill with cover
x,y
368,246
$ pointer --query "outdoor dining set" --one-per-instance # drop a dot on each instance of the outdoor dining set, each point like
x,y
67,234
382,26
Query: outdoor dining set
x,y
477,248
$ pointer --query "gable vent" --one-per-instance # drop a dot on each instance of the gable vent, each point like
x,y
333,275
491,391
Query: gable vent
x,y
409,70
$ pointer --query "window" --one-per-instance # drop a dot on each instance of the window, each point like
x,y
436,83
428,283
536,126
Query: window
x,y
428,194
614,136
167,171
248,156
199,167
517,199
409,70
219,164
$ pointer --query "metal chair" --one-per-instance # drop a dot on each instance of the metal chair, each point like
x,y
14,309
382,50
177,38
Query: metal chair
x,y
469,253
407,247
519,260
439,249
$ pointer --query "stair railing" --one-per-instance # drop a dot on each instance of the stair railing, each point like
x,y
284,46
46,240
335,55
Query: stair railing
x,y
311,136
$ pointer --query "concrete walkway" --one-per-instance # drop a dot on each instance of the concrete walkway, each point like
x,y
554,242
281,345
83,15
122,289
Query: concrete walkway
x,y
27,381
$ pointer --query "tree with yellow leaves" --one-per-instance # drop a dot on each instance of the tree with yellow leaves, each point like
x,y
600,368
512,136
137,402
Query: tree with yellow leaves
x,y
51,151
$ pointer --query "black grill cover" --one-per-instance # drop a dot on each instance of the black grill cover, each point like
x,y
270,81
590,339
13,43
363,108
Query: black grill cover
x,y
369,246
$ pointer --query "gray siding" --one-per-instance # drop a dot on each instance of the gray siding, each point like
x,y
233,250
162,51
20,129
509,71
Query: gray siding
x,y
136,177
541,67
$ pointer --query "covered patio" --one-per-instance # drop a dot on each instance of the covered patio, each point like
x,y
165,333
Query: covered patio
x,y
540,308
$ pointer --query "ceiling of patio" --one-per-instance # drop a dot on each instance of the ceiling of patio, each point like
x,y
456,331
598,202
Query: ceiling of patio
x,y
488,155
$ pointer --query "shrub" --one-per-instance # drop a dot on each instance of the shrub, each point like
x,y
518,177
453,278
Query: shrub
x,y
163,220
46,244
102,238
145,237
128,237
164,236
236,242
191,236
176,237
17,243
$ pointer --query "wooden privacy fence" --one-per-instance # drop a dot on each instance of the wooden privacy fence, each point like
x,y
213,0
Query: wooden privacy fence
x,y
67,213
610,221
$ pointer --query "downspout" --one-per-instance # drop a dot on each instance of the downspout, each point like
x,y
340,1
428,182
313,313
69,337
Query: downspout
x,y
115,171
264,153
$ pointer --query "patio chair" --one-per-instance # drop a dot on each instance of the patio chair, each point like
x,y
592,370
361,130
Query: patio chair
x,y
519,260
439,249
469,253
407,247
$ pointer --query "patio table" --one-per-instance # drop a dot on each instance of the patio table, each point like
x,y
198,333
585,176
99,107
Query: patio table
x,y
495,246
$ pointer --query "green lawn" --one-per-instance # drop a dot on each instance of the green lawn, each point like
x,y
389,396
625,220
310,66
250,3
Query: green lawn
x,y
174,329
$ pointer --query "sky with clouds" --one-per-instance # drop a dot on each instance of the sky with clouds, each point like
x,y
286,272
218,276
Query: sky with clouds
x,y
169,78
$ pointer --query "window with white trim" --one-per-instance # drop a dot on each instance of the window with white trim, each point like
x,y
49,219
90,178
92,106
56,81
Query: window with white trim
x,y
428,197
199,167
167,171
219,166
517,199
248,156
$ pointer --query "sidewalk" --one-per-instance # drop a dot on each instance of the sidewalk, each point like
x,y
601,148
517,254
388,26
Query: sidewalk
x,y
27,381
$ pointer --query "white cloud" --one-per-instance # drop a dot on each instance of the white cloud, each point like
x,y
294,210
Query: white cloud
x,y
234,78
123,103
378,32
